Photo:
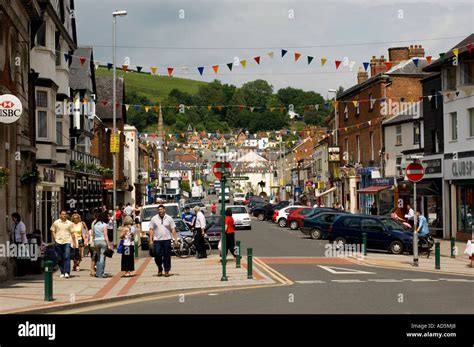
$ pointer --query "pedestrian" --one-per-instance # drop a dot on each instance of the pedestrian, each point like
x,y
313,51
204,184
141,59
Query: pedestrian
x,y
91,243
64,238
18,237
229,234
138,209
118,215
128,211
162,230
374,210
187,216
422,228
199,226
214,208
110,227
101,241
80,232
127,234
410,216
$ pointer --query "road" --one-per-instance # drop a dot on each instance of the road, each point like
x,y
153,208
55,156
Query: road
x,y
316,284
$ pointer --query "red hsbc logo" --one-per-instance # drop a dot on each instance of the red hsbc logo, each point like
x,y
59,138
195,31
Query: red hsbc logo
x,y
7,104
10,108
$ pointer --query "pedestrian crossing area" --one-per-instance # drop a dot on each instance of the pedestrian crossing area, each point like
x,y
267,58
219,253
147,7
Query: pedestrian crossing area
x,y
389,280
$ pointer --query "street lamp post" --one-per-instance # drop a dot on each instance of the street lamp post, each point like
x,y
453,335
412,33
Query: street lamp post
x,y
336,126
114,112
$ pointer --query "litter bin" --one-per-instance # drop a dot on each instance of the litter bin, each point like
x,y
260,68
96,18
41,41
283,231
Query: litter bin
x,y
33,264
144,243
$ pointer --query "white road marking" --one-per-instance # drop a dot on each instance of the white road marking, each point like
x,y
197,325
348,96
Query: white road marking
x,y
213,294
345,271
348,281
385,280
309,282
419,280
455,279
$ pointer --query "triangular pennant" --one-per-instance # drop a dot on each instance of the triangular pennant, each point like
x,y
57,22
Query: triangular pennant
x,y
338,63
139,69
283,52
241,108
282,109
428,59
388,65
104,102
137,108
310,59
469,47
415,61
323,61
147,108
220,108
271,54
369,122
366,65
456,52
153,70
157,109
448,94
252,108
170,71
209,108
297,56
215,68
201,70
96,66
230,66
117,104
109,66
457,93
316,107
82,60
272,109
125,68
257,59
67,57
430,97
441,56
127,106
355,103
243,63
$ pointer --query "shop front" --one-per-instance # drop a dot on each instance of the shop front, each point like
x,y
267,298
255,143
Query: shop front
x,y
380,191
83,192
459,181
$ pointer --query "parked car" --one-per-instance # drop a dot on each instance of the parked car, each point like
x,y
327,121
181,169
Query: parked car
x,y
241,217
214,229
282,215
318,226
382,232
193,204
182,229
266,211
254,199
297,215
239,198
148,211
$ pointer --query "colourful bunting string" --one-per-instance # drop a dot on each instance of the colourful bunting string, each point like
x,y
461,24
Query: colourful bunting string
x,y
170,71
257,59
338,63
82,60
297,56
283,52
201,70
323,61
215,68
243,63
310,59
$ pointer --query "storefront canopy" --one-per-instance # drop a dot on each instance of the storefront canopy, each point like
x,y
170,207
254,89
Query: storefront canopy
x,y
373,189
326,192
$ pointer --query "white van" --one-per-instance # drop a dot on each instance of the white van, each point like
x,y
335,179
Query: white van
x,y
148,211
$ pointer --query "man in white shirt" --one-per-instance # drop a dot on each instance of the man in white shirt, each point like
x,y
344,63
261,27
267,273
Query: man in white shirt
x,y
128,210
162,229
410,216
199,226
64,238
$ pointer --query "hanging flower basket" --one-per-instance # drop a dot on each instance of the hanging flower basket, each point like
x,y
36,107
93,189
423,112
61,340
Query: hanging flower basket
x,y
31,177
3,175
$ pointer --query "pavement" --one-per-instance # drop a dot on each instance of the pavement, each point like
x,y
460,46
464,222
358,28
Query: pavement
x,y
26,294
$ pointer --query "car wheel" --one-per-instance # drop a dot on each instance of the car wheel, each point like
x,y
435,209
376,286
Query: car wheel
x,y
261,217
282,222
294,225
316,234
340,242
396,247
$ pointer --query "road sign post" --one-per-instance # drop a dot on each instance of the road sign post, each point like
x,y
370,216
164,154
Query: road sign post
x,y
415,172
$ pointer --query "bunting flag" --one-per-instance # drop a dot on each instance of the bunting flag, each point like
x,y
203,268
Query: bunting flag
x,y
429,97
153,70
137,108
67,57
96,66
147,108
82,60
316,107
241,108
201,70
355,103
282,109
252,108
415,61
109,66
271,54
125,68
230,66
369,122
323,61
243,63
457,94
157,109
283,52
139,69
257,59
127,106
117,104
338,63
310,59
209,108
469,47
456,52
441,56
388,64
271,110
428,59
220,108
105,102
366,66
170,71
297,56
215,68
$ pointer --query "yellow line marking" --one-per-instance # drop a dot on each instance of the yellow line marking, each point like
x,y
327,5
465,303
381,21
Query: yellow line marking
x,y
276,274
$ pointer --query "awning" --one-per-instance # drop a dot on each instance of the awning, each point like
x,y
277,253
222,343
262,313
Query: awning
x,y
373,189
326,192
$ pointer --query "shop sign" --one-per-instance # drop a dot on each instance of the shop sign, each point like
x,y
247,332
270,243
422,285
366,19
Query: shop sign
x,y
334,154
462,168
10,108
383,181
432,166
108,184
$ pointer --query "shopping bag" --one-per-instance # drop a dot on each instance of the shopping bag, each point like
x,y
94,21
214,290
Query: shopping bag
x,y
469,248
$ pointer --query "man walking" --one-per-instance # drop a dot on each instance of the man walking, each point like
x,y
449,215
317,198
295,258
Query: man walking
x,y
410,216
63,237
128,211
161,228
200,230
422,229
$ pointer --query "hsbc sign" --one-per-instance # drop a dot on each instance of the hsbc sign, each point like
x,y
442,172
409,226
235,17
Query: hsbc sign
x,y
10,108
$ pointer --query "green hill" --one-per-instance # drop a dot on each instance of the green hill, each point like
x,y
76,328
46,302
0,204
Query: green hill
x,y
156,88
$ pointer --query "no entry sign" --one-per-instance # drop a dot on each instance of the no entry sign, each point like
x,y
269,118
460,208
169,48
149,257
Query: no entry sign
x,y
217,169
415,172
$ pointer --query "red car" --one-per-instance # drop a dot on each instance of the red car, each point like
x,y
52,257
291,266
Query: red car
x,y
297,215
275,215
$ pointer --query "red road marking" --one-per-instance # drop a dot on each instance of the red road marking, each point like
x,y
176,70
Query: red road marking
x,y
296,261
134,279
255,274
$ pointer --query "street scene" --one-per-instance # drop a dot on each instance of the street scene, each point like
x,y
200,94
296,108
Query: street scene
x,y
247,158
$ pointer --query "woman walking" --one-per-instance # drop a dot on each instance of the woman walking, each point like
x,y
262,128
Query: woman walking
x,y
229,234
101,241
127,234
79,229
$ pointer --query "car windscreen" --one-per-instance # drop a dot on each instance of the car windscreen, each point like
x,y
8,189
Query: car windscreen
x,y
392,224
238,209
214,220
239,195
180,225
305,211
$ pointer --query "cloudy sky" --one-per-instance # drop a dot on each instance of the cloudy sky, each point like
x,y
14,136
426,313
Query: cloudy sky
x,y
216,32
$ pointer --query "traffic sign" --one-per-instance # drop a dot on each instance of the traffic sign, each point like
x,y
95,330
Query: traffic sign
x,y
238,178
415,172
217,169
114,143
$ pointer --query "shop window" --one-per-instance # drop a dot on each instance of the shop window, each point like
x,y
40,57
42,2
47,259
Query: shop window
x,y
398,166
465,208
454,126
467,72
40,39
450,78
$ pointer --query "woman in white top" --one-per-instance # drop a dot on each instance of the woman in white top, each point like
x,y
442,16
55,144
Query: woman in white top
x,y
127,234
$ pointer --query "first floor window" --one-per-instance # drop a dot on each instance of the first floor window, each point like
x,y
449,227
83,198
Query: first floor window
x,y
59,133
470,115
454,126
42,124
399,135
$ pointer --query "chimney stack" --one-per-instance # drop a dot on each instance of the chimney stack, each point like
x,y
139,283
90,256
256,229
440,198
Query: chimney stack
x,y
398,54
377,65
362,75
416,51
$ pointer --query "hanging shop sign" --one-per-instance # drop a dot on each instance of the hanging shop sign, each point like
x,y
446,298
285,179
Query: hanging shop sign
x,y
10,108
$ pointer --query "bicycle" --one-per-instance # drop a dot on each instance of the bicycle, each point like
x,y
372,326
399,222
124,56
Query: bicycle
x,y
187,246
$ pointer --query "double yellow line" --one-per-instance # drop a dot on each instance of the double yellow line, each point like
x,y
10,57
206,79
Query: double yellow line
x,y
273,273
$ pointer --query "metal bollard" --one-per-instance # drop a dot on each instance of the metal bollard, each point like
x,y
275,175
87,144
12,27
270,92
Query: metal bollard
x,y
48,280
135,249
453,247
249,263
437,256
237,260
364,243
